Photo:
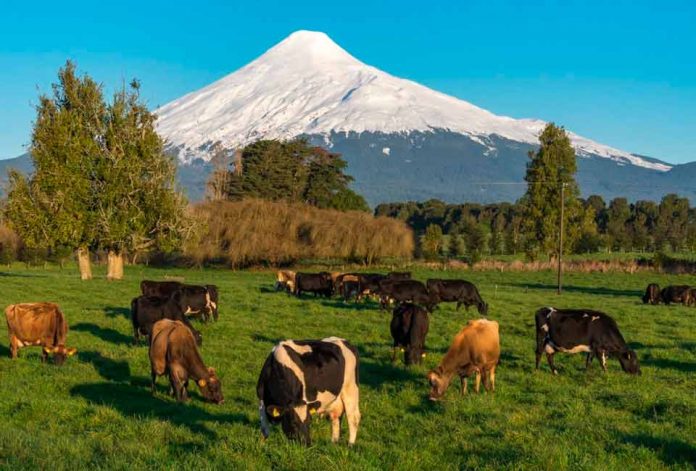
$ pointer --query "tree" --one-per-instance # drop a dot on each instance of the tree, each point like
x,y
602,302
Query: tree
x,y
432,241
136,204
618,215
672,222
291,171
54,208
550,173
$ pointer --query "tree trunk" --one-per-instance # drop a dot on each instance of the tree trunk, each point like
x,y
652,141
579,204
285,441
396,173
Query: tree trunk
x,y
84,264
114,265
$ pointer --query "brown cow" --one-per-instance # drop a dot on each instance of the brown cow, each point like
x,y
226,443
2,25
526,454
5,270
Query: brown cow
x,y
173,351
38,324
285,280
475,349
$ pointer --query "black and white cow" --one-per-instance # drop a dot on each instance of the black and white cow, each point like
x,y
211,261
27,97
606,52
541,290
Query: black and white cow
x,y
581,330
301,378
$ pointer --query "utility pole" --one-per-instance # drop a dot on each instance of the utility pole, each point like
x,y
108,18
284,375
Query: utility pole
x,y
560,240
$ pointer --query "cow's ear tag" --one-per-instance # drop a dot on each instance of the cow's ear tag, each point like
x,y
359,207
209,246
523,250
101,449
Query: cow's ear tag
x,y
72,351
422,355
202,383
275,412
312,411
401,349
47,350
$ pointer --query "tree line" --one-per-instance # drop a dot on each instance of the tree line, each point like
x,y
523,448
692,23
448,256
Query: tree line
x,y
531,225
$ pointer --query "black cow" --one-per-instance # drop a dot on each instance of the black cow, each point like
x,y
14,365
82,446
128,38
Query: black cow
x,y
406,291
316,283
652,294
461,291
409,327
369,283
145,311
676,294
580,330
302,378
159,289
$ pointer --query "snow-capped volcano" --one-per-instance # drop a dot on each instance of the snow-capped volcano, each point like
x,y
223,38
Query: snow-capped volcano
x,y
308,85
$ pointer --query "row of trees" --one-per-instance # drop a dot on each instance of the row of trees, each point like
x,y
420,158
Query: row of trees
x,y
531,225
101,179
291,171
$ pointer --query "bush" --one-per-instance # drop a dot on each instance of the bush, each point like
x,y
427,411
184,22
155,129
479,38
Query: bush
x,y
255,231
10,245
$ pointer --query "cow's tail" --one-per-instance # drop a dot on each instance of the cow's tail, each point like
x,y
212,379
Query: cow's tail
x,y
9,314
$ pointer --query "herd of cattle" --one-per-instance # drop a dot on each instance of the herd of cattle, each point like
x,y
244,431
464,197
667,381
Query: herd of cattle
x,y
683,294
301,379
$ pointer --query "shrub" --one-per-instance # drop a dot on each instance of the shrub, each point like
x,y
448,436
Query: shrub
x,y
255,231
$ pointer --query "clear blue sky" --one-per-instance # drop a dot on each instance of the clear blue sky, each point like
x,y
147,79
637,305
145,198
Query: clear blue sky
x,y
620,72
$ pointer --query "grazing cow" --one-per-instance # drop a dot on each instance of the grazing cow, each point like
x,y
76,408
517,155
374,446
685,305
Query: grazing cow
x,y
475,350
347,285
652,294
159,289
406,291
145,311
285,280
461,291
316,283
302,378
409,326
40,324
676,294
580,330
173,351
369,284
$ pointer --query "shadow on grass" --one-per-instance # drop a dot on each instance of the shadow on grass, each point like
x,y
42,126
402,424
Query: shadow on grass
x,y
112,370
374,374
580,289
113,311
104,333
135,402
22,275
4,351
671,451
265,339
340,304
684,366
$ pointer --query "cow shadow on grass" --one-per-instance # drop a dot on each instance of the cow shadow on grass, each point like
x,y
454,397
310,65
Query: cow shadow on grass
x,y
671,451
4,351
138,403
374,373
22,275
580,289
341,304
115,311
105,333
109,369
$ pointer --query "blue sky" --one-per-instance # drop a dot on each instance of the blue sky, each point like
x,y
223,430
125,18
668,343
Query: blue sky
x,y
620,72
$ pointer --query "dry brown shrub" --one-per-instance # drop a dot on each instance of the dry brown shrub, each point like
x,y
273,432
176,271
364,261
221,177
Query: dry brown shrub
x,y
256,231
10,245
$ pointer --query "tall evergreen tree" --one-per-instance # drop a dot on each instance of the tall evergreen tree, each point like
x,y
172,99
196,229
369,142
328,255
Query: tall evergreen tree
x,y
55,209
550,172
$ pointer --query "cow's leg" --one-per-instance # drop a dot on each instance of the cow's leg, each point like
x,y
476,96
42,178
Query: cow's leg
x,y
394,348
351,399
549,359
44,355
464,382
335,414
459,303
602,355
263,419
588,360
477,381
491,378
14,347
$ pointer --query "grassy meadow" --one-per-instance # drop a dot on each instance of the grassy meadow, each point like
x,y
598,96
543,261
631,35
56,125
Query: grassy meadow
x,y
97,411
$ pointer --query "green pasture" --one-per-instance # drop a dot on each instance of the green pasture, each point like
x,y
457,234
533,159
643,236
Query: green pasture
x,y
97,412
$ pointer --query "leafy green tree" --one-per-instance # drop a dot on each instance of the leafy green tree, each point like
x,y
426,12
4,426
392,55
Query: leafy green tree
x,y
55,207
136,202
456,245
618,215
672,222
550,172
432,241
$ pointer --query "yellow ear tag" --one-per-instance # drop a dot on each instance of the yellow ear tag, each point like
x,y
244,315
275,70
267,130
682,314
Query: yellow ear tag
x,y
422,355
312,411
46,350
401,349
275,413
202,383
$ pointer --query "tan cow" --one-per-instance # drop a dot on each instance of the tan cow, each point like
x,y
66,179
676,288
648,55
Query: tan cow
x,y
475,350
41,324
173,351
285,280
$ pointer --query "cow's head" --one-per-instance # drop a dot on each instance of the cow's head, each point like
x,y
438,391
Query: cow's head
x,y
211,388
482,307
294,419
629,362
438,383
60,353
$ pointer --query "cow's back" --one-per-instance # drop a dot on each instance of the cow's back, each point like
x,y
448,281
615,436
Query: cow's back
x,y
158,344
37,321
479,342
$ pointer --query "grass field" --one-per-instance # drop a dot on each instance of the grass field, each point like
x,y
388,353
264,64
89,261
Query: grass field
x,y
96,411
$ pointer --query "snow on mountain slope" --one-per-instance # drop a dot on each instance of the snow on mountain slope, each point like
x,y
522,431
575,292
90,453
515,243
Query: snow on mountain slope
x,y
307,84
